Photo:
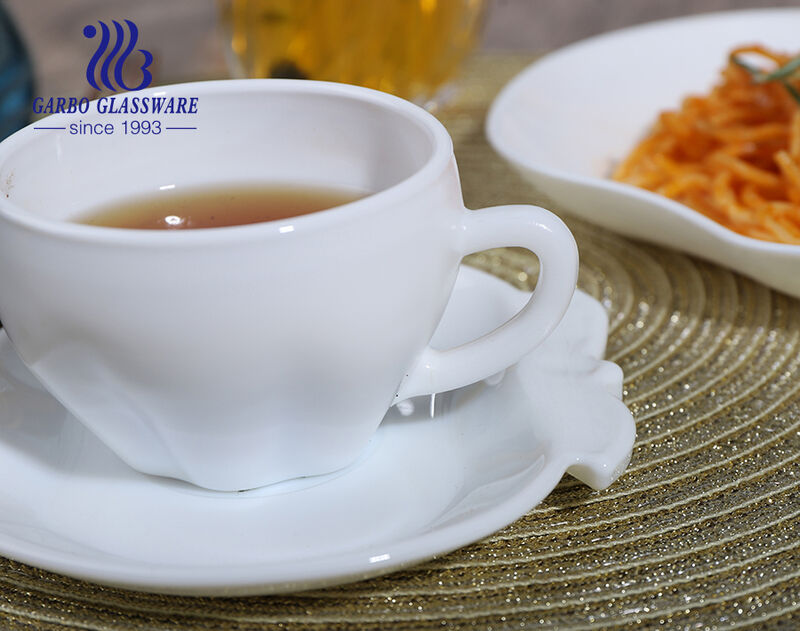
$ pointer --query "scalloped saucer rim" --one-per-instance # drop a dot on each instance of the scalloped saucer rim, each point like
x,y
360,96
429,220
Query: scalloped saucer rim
x,y
426,485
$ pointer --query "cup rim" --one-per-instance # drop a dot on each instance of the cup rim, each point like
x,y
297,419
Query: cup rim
x,y
436,162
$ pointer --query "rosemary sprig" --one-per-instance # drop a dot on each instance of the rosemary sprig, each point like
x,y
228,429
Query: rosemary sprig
x,y
782,75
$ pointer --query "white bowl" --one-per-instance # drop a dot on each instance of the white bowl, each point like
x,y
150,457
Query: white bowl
x,y
567,119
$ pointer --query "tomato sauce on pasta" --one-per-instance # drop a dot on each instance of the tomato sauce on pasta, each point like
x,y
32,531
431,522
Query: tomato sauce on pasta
x,y
733,155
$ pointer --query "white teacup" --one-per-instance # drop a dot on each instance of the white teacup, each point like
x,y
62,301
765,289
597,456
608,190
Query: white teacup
x,y
237,357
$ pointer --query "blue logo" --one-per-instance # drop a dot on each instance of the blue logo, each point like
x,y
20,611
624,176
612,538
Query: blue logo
x,y
89,31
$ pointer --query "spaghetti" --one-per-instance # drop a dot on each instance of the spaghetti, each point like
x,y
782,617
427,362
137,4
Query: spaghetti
x,y
733,155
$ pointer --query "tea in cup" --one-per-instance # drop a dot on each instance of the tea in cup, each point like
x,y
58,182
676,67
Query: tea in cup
x,y
235,356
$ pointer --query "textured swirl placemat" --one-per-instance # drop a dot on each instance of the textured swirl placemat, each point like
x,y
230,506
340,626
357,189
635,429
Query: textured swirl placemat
x,y
700,533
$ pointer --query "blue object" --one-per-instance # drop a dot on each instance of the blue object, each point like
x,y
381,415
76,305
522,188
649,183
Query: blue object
x,y
16,78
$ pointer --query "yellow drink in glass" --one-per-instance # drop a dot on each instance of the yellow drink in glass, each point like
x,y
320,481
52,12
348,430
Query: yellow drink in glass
x,y
411,48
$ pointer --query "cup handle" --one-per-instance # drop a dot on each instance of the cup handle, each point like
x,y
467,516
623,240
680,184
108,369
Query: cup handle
x,y
529,227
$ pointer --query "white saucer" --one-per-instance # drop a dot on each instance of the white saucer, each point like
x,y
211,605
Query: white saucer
x,y
425,485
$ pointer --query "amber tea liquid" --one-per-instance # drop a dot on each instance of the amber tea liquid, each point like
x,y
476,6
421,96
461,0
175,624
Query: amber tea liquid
x,y
411,48
216,208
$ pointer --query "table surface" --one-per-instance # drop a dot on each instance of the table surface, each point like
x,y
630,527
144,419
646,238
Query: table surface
x,y
701,531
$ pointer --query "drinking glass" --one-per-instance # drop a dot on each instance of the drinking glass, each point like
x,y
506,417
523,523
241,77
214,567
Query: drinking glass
x,y
411,48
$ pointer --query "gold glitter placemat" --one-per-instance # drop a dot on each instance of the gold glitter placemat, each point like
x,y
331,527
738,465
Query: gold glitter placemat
x,y
700,533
